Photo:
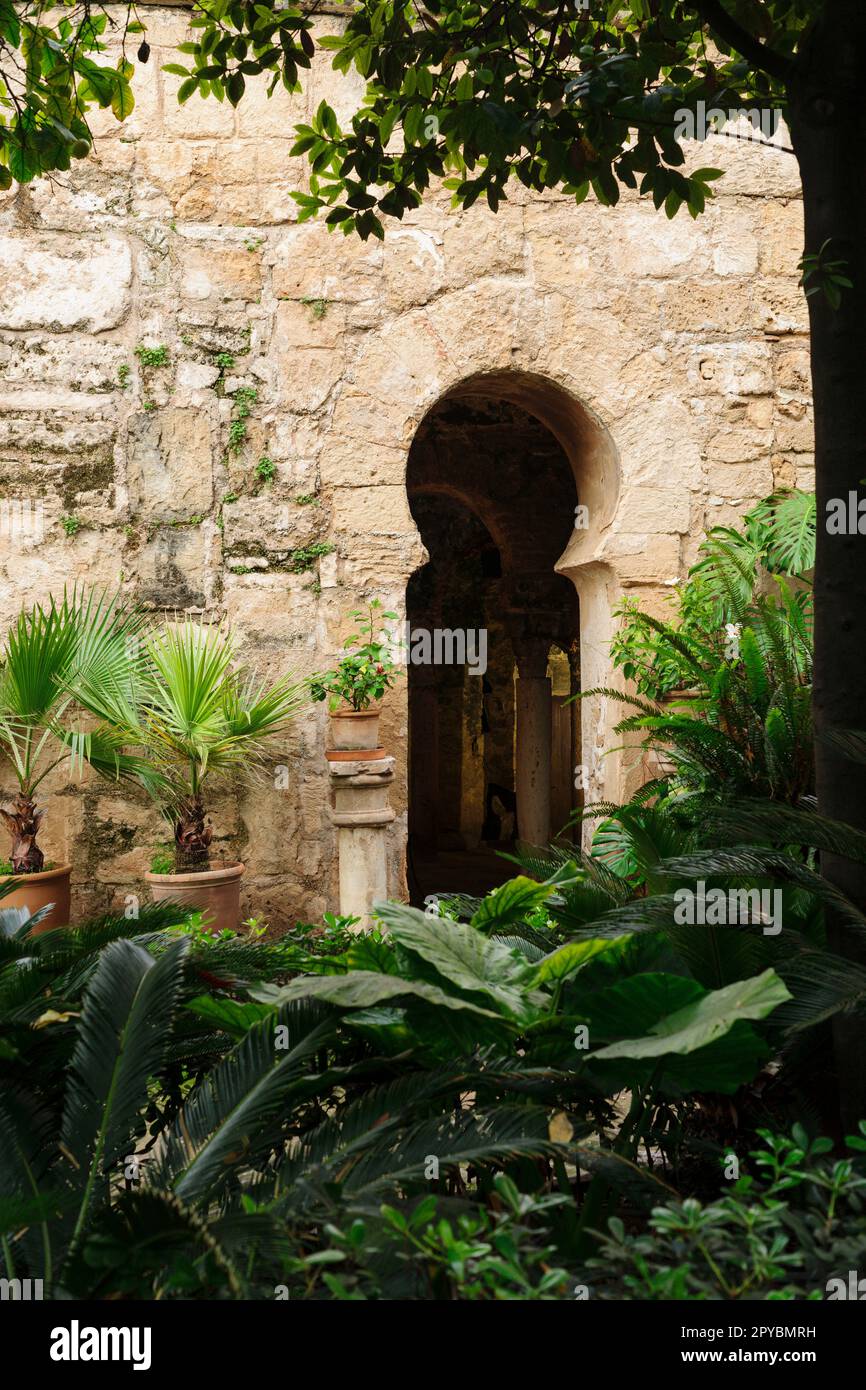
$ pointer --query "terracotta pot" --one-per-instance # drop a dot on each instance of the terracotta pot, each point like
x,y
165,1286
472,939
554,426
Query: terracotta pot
x,y
681,697
357,755
675,702
216,892
38,890
354,730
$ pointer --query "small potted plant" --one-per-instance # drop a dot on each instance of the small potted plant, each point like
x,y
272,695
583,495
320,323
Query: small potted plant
x,y
62,667
203,717
355,686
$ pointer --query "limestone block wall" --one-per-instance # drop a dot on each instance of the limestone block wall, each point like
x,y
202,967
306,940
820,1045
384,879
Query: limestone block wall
x,y
670,359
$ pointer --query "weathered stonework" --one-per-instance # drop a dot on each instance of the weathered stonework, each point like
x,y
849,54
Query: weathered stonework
x,y
668,359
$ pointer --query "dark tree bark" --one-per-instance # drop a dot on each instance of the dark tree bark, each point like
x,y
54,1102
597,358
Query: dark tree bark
x,y
827,129
23,823
192,837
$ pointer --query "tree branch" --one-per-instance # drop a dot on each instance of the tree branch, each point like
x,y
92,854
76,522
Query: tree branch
x,y
731,32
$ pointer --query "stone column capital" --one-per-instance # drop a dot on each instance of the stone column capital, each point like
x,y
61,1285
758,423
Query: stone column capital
x,y
531,654
361,771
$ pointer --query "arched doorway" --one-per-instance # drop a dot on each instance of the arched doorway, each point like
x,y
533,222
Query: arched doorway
x,y
494,739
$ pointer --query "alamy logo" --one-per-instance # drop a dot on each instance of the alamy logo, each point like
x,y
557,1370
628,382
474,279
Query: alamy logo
x,y
846,516
21,1290
854,1290
763,122
77,1343
443,646
728,907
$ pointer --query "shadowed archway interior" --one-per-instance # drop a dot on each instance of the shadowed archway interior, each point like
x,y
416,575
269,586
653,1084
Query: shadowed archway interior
x,y
493,737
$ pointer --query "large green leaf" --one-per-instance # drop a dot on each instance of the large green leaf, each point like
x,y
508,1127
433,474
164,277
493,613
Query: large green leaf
x,y
232,1015
462,955
510,903
572,957
702,1020
362,989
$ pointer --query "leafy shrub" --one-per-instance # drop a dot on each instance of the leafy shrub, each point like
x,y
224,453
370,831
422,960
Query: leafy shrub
x,y
152,356
480,1255
735,568
362,676
162,861
782,1235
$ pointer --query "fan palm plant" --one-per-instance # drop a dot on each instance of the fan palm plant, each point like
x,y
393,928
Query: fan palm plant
x,y
67,681
202,716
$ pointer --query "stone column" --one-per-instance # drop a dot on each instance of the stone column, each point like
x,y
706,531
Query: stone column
x,y
362,814
472,763
578,789
532,758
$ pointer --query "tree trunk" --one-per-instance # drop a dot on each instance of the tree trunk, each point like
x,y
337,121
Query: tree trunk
x,y
192,838
827,129
23,823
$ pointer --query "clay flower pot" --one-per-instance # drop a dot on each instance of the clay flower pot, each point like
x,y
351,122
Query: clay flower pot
x,y
216,892
354,734
38,890
674,702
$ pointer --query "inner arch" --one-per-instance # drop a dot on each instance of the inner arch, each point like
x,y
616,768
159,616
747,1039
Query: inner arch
x,y
492,752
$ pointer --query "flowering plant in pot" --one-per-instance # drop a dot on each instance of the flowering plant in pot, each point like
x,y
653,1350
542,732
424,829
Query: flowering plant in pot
x,y
67,683
203,717
355,686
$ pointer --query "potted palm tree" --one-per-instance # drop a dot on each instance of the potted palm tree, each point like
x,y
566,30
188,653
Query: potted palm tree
x,y
356,685
203,717
67,677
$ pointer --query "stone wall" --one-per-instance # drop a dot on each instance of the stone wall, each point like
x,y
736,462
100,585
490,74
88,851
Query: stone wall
x,y
670,360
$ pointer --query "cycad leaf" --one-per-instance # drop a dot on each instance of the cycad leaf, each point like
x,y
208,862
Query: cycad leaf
x,y
123,1032
823,984
851,742
147,1231
237,1110
498,1136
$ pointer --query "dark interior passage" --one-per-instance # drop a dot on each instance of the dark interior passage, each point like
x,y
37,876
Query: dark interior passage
x,y
493,742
